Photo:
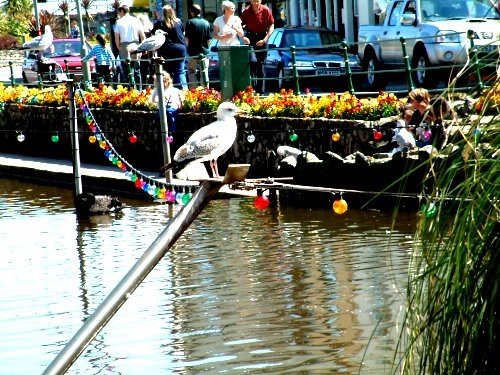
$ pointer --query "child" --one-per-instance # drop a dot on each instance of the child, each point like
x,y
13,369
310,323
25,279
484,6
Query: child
x,y
105,61
402,134
173,99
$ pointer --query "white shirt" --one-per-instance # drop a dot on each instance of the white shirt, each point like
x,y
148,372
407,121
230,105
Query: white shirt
x,y
128,27
225,28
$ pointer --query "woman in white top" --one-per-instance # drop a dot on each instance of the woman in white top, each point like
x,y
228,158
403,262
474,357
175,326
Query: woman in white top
x,y
172,95
227,28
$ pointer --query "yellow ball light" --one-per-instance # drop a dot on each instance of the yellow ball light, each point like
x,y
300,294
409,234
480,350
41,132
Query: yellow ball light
x,y
340,206
335,137
92,139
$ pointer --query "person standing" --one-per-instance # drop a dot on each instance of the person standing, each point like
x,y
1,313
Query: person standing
x,y
147,67
75,31
105,61
128,34
174,49
227,28
198,34
258,22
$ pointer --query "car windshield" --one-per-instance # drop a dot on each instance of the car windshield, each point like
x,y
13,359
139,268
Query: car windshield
x,y
310,38
67,48
452,9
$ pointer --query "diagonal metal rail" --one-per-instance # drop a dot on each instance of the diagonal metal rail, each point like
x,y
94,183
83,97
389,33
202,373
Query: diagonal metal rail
x,y
146,263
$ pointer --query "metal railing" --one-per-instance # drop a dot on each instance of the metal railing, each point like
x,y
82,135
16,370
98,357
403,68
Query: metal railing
x,y
473,69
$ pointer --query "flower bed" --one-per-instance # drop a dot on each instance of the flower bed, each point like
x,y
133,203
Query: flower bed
x,y
332,122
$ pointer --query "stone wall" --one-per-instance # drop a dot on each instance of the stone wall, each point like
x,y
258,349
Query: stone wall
x,y
39,123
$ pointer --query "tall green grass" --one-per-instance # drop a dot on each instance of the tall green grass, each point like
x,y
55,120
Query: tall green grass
x,y
451,324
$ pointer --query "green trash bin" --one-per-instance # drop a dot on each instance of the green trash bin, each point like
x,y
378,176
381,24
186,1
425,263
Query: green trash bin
x,y
234,69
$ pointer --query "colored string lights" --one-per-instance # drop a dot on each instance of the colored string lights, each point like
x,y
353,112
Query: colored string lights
x,y
154,188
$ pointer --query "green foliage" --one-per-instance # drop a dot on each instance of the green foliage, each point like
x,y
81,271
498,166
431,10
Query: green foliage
x,y
15,18
452,324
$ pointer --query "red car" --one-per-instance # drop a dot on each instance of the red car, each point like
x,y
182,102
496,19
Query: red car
x,y
62,52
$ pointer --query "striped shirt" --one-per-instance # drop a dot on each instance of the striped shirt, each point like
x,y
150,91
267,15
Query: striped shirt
x,y
103,55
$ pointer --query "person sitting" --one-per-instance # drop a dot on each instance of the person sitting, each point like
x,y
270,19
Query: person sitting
x,y
403,136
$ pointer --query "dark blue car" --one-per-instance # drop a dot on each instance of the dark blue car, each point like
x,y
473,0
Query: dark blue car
x,y
319,59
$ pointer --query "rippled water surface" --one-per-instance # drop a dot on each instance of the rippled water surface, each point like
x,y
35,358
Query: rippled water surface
x,y
283,290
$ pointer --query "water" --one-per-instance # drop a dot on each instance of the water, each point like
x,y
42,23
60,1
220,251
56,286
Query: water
x,y
283,290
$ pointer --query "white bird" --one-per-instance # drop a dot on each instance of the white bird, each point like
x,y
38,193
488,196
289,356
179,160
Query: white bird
x,y
41,42
210,141
288,151
152,43
404,138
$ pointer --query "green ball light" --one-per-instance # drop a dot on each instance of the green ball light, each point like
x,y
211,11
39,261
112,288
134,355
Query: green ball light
x,y
293,137
54,138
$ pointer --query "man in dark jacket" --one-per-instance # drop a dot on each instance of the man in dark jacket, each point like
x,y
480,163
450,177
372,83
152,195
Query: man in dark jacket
x,y
197,35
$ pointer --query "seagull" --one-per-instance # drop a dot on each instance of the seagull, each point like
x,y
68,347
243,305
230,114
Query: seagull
x,y
152,43
41,42
210,141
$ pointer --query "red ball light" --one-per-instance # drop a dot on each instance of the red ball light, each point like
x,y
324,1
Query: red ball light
x,y
261,202
377,135
132,139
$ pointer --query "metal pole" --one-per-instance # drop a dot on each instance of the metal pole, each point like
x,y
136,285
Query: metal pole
x,y
163,118
347,68
37,18
151,257
83,51
475,60
406,58
12,80
295,72
73,124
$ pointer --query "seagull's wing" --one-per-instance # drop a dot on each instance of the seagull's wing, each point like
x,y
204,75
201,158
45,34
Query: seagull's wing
x,y
201,143
32,43
151,44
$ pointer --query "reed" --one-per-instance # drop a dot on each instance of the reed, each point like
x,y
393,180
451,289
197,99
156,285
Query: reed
x,y
451,324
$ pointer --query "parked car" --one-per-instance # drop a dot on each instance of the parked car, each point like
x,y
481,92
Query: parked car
x,y
63,53
213,64
318,55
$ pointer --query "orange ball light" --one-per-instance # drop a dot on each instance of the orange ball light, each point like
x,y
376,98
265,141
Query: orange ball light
x,y
335,137
340,206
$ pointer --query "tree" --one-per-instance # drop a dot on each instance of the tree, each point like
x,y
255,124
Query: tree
x,y
88,17
15,17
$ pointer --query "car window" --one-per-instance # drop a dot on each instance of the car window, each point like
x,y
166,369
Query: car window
x,y
66,48
330,38
397,11
276,38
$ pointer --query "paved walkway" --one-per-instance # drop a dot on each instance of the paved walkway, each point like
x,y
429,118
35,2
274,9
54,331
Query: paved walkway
x,y
95,178
5,74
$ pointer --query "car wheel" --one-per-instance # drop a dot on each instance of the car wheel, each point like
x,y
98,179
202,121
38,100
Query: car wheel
x,y
283,83
271,83
374,80
25,79
421,76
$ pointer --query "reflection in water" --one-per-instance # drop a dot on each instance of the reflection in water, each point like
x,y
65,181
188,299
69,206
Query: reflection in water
x,y
242,290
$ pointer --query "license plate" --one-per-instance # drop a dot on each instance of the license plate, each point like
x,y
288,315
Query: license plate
x,y
488,48
328,72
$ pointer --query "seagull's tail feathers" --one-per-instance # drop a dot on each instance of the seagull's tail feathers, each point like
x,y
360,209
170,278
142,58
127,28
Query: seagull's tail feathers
x,y
176,166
